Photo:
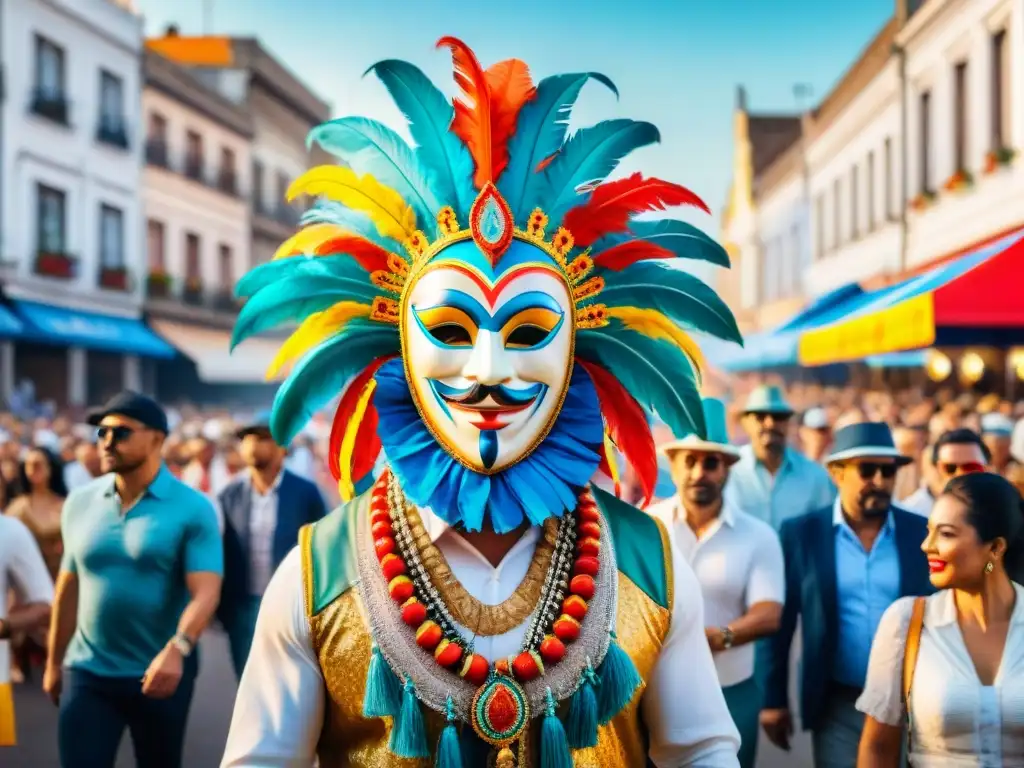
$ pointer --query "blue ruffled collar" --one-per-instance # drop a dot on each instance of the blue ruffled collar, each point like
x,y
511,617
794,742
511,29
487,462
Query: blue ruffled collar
x,y
544,484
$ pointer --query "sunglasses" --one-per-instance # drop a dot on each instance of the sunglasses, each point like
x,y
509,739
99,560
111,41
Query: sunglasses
x,y
707,463
777,417
116,434
967,468
868,471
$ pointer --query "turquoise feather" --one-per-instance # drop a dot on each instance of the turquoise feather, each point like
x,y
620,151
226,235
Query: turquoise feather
x,y
656,373
685,299
430,114
369,146
684,240
540,131
349,219
586,158
313,268
321,374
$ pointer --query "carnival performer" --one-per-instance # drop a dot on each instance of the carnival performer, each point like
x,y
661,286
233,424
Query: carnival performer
x,y
501,320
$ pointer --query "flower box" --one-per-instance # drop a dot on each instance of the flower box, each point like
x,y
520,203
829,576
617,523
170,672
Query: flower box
x,y
55,264
158,285
115,278
922,201
998,158
959,181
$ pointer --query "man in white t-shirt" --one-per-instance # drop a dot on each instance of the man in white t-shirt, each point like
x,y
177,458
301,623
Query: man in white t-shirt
x,y
23,570
738,562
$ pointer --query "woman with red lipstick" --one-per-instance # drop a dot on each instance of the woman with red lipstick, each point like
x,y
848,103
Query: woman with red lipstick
x,y
952,670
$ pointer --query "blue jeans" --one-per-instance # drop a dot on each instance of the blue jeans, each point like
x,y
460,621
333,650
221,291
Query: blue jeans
x,y
94,712
744,703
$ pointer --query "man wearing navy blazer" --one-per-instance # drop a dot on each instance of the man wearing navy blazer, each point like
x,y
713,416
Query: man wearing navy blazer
x,y
845,565
262,511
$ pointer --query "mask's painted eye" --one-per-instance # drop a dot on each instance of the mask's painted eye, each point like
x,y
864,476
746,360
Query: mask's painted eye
x,y
452,335
531,328
448,326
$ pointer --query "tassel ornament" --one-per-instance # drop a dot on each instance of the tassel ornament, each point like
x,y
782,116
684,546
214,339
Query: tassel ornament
x,y
619,682
554,746
449,751
408,734
383,697
581,729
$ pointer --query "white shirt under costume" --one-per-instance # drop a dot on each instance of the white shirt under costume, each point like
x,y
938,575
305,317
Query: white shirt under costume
x,y
279,711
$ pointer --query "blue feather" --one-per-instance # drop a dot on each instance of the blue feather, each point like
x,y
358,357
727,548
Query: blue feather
x,y
369,146
676,294
588,157
351,220
656,373
313,268
684,240
320,376
540,131
430,115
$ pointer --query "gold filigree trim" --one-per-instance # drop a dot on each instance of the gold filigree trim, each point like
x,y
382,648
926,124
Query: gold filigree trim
x,y
479,618
384,310
398,265
388,281
579,267
589,289
594,316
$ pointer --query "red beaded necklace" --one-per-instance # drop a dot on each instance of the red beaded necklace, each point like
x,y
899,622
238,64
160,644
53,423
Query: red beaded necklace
x,y
413,596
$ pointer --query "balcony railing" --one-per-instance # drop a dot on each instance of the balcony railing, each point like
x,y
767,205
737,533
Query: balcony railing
x,y
112,132
56,263
52,105
156,153
190,291
227,182
194,168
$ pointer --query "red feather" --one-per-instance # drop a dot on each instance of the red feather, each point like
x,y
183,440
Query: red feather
x,y
627,425
620,256
370,256
344,413
485,118
612,203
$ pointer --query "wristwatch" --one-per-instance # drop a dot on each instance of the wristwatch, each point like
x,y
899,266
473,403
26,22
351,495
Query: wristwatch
x,y
183,644
727,637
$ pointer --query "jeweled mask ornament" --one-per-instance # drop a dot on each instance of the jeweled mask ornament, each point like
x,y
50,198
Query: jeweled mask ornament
x,y
489,307
487,335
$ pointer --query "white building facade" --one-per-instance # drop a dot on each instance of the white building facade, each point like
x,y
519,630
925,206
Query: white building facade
x,y
72,244
965,108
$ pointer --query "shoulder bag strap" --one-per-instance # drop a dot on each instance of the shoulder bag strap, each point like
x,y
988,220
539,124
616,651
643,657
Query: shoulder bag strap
x,y
912,647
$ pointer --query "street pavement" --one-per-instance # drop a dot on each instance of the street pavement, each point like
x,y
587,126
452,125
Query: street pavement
x,y
210,718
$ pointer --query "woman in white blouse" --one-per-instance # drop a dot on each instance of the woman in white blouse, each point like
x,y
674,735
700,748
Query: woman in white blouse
x,y
966,703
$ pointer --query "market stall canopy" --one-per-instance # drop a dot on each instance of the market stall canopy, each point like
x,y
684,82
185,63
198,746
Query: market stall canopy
x,y
972,300
51,324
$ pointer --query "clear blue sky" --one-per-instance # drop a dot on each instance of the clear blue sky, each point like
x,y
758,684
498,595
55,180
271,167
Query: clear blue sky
x,y
676,62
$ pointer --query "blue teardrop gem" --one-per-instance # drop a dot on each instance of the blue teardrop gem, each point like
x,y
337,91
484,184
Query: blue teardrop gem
x,y
492,224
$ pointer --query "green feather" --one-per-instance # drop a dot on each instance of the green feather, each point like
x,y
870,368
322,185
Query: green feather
x,y
657,374
678,295
321,375
684,240
312,267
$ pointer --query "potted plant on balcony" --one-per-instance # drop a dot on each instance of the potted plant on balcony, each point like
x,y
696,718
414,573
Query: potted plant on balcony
x,y
55,264
922,201
115,278
959,181
193,293
158,284
999,158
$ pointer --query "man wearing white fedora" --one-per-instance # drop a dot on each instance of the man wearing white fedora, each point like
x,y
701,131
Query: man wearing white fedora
x,y
738,562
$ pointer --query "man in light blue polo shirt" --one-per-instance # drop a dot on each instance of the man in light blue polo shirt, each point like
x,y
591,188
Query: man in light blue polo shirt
x,y
773,481
143,562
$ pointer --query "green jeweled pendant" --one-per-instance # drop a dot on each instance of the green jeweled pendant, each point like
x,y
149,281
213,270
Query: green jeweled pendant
x,y
501,711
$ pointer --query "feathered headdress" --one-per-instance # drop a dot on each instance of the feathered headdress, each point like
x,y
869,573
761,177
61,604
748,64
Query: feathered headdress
x,y
499,159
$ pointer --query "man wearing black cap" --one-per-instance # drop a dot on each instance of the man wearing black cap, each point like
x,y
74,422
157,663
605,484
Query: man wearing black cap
x,y
261,511
139,582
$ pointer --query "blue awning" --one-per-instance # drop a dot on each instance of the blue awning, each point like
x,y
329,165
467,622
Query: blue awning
x,y
50,324
913,359
10,326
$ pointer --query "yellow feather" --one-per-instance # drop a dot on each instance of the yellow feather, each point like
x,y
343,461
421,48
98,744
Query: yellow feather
x,y
390,213
307,239
613,465
314,329
348,443
655,325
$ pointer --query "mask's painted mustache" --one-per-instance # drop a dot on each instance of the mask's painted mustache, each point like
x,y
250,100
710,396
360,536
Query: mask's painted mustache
x,y
477,393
